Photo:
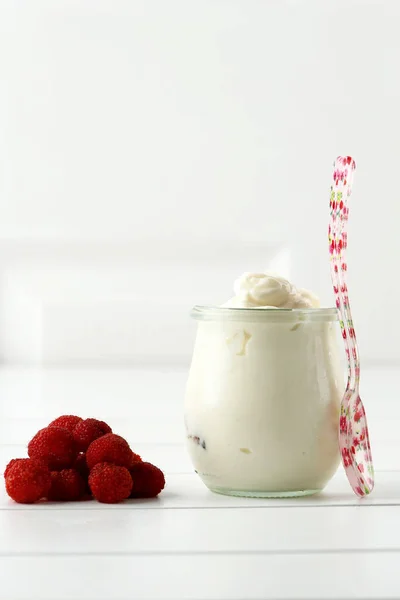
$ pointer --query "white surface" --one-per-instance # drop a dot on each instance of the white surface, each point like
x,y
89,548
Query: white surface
x,y
190,544
184,124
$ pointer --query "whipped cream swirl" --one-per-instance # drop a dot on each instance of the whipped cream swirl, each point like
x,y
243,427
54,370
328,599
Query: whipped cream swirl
x,y
267,290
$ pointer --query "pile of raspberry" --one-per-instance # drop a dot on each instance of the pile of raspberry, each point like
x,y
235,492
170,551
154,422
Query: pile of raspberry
x,y
76,459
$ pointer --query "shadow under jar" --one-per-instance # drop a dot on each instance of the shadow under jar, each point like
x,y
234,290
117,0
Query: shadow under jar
x,y
263,399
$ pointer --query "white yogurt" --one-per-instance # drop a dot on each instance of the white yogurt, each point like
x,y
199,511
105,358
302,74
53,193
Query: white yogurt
x,y
264,390
267,290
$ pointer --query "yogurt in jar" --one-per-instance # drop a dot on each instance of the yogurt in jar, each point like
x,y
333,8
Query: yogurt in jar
x,y
267,290
264,389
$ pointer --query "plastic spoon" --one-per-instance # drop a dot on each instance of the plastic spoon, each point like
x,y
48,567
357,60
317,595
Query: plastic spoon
x,y
353,430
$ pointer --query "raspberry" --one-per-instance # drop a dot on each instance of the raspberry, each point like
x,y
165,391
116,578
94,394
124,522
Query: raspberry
x,y
87,431
28,480
66,485
148,480
109,483
109,448
55,446
12,462
67,421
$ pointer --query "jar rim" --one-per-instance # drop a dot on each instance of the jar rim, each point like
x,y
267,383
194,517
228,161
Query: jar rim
x,y
264,315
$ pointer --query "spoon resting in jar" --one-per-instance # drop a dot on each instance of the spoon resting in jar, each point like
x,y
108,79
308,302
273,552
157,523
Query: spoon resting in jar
x,y
353,430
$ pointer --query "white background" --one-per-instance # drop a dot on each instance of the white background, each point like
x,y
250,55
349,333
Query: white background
x,y
150,151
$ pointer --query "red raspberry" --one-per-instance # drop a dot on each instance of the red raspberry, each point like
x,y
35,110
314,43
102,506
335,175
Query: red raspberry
x,y
148,480
109,483
87,431
109,448
12,462
67,421
67,485
28,480
55,446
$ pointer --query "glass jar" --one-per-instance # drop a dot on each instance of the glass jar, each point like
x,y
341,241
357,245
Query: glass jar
x,y
263,399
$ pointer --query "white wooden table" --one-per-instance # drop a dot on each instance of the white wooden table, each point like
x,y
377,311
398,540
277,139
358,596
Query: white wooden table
x,y
189,543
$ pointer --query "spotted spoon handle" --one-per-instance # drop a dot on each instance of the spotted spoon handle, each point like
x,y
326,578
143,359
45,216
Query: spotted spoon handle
x,y
353,430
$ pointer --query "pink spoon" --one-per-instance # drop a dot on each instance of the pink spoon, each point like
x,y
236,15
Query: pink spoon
x,y
353,430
